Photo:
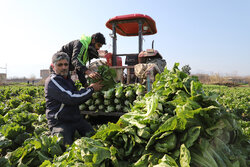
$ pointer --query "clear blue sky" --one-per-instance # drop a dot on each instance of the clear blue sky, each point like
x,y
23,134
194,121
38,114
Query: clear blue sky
x,y
212,36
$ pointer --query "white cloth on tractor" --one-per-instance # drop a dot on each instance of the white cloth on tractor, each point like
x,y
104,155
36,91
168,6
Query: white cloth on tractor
x,y
94,65
155,65
161,63
142,69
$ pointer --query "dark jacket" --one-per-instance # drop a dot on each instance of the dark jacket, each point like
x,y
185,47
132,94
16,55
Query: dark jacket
x,y
73,49
63,99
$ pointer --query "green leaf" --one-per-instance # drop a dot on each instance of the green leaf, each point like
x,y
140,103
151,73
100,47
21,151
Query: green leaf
x,y
166,161
4,142
142,162
193,134
185,157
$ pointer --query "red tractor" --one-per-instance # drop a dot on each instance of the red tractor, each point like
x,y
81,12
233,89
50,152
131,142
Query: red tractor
x,y
132,25
139,67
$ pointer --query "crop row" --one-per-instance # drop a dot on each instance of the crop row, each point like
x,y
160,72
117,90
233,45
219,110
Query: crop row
x,y
235,99
175,124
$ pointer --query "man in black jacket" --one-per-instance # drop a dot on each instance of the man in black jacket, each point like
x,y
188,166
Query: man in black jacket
x,y
81,52
63,99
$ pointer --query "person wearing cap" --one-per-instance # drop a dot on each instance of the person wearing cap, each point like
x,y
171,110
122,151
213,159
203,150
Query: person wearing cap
x,y
63,100
81,52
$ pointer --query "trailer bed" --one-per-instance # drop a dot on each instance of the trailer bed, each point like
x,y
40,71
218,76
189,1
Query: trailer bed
x,y
98,118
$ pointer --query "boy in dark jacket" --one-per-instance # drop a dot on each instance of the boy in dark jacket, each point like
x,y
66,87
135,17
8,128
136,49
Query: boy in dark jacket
x,y
63,99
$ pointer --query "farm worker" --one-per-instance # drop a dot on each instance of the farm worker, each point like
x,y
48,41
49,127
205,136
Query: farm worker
x,y
63,99
81,52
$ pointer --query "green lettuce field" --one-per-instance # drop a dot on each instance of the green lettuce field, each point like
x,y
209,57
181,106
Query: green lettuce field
x,y
180,122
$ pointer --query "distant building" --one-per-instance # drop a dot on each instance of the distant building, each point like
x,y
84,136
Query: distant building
x,y
3,77
44,73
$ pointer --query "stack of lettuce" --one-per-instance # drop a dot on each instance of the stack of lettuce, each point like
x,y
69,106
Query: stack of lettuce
x,y
175,124
117,99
